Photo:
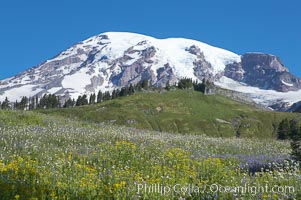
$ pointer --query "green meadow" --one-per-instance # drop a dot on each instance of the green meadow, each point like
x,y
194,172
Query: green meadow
x,y
169,145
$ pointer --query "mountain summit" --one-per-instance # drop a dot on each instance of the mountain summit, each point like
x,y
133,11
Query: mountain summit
x,y
117,59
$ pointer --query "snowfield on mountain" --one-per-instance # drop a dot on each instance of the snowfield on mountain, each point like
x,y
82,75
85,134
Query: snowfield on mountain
x,y
116,59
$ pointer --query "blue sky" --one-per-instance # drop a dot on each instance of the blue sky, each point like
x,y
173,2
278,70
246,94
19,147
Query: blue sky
x,y
32,31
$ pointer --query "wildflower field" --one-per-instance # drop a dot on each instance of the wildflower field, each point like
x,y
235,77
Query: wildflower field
x,y
71,160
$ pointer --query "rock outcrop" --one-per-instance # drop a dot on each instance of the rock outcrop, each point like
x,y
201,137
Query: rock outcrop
x,y
264,71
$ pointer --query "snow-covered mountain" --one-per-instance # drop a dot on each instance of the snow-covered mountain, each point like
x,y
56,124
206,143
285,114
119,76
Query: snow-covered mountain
x,y
116,59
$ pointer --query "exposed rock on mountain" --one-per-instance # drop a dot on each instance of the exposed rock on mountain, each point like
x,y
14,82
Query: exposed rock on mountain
x,y
111,60
264,71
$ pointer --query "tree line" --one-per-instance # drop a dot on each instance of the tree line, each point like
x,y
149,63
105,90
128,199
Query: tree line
x,y
188,83
48,101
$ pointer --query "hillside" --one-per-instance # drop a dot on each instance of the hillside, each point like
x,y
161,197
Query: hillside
x,y
64,154
46,157
182,111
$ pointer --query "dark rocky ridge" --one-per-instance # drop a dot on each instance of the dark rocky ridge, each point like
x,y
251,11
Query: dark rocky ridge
x,y
264,71
202,68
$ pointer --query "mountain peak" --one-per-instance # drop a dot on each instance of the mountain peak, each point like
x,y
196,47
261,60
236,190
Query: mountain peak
x,y
264,60
115,59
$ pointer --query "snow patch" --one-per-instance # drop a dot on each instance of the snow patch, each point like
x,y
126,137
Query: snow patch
x,y
287,84
17,93
54,90
134,57
260,96
78,81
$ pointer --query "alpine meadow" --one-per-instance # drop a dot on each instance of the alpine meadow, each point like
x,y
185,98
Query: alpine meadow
x,y
123,115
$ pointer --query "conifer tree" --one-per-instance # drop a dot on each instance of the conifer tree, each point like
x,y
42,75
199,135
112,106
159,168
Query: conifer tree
x,y
294,130
145,84
118,93
99,97
107,96
185,83
92,99
5,104
82,100
131,89
31,101
37,105
22,105
291,130
79,101
114,94
123,92
296,149
283,131
85,100
69,103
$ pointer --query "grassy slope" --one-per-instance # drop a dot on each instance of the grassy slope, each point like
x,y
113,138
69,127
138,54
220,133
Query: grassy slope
x,y
10,118
13,118
180,111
